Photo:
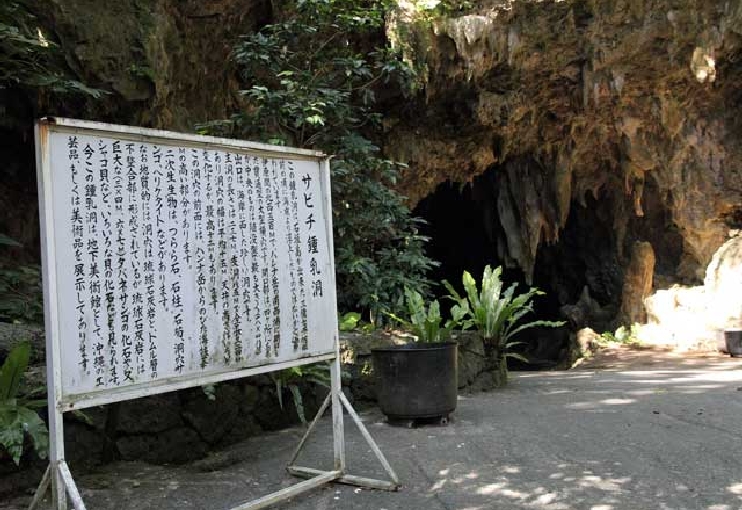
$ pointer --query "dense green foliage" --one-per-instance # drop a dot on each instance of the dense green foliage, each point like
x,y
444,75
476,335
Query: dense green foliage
x,y
31,67
18,416
425,324
312,83
495,314
349,321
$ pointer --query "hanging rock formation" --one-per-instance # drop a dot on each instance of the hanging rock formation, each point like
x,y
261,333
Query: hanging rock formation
x,y
628,107
583,126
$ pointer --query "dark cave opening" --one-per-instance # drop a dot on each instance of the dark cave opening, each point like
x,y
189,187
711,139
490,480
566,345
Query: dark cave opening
x,y
581,271
584,265
656,226
466,234
584,256
461,238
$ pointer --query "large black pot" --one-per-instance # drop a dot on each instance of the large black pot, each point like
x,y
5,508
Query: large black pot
x,y
416,380
733,339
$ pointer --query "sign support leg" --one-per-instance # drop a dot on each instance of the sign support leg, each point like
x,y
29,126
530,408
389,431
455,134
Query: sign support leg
x,y
370,440
338,431
57,474
320,413
69,484
56,455
41,490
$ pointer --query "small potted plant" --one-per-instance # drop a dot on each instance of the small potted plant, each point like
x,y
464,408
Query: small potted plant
x,y
495,314
418,380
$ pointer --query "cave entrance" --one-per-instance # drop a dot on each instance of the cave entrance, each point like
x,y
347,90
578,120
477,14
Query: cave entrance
x,y
460,238
463,233
466,234
581,269
582,272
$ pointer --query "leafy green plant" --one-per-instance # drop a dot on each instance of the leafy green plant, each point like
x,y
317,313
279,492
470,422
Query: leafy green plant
x,y
494,313
425,324
9,241
349,321
352,321
18,416
623,335
311,81
290,378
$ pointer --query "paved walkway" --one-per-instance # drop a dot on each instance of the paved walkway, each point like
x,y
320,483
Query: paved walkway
x,y
628,430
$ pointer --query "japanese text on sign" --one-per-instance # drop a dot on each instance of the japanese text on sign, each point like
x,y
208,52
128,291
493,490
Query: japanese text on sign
x,y
174,260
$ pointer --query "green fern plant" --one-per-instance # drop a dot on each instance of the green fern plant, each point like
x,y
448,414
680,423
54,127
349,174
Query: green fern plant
x,y
495,313
18,415
289,378
425,324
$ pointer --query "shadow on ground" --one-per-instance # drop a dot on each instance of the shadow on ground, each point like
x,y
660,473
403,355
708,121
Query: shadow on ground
x,y
640,430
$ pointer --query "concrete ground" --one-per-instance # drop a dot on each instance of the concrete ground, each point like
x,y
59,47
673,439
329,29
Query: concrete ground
x,y
627,430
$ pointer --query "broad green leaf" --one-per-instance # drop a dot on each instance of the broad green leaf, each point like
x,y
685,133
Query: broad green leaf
x,y
517,356
35,427
11,436
349,321
535,324
494,313
8,241
12,371
279,391
298,402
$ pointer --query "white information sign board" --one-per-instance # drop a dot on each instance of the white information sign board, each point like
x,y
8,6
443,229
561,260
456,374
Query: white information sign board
x,y
175,260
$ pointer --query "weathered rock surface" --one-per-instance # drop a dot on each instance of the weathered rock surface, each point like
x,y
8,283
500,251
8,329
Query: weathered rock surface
x,y
149,415
163,63
14,334
155,55
619,109
587,340
586,311
172,446
723,283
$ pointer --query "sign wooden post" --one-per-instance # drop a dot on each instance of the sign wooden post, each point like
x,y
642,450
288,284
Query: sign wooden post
x,y
172,261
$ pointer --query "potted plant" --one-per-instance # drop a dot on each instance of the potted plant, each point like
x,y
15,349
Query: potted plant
x,y
495,314
419,379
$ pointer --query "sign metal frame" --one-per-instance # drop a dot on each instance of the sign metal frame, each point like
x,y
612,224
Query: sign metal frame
x,y
58,475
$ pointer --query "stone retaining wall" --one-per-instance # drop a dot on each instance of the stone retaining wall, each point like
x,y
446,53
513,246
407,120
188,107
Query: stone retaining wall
x,y
186,425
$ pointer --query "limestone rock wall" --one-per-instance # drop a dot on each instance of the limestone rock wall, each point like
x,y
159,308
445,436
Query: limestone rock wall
x,y
577,99
165,62
162,63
